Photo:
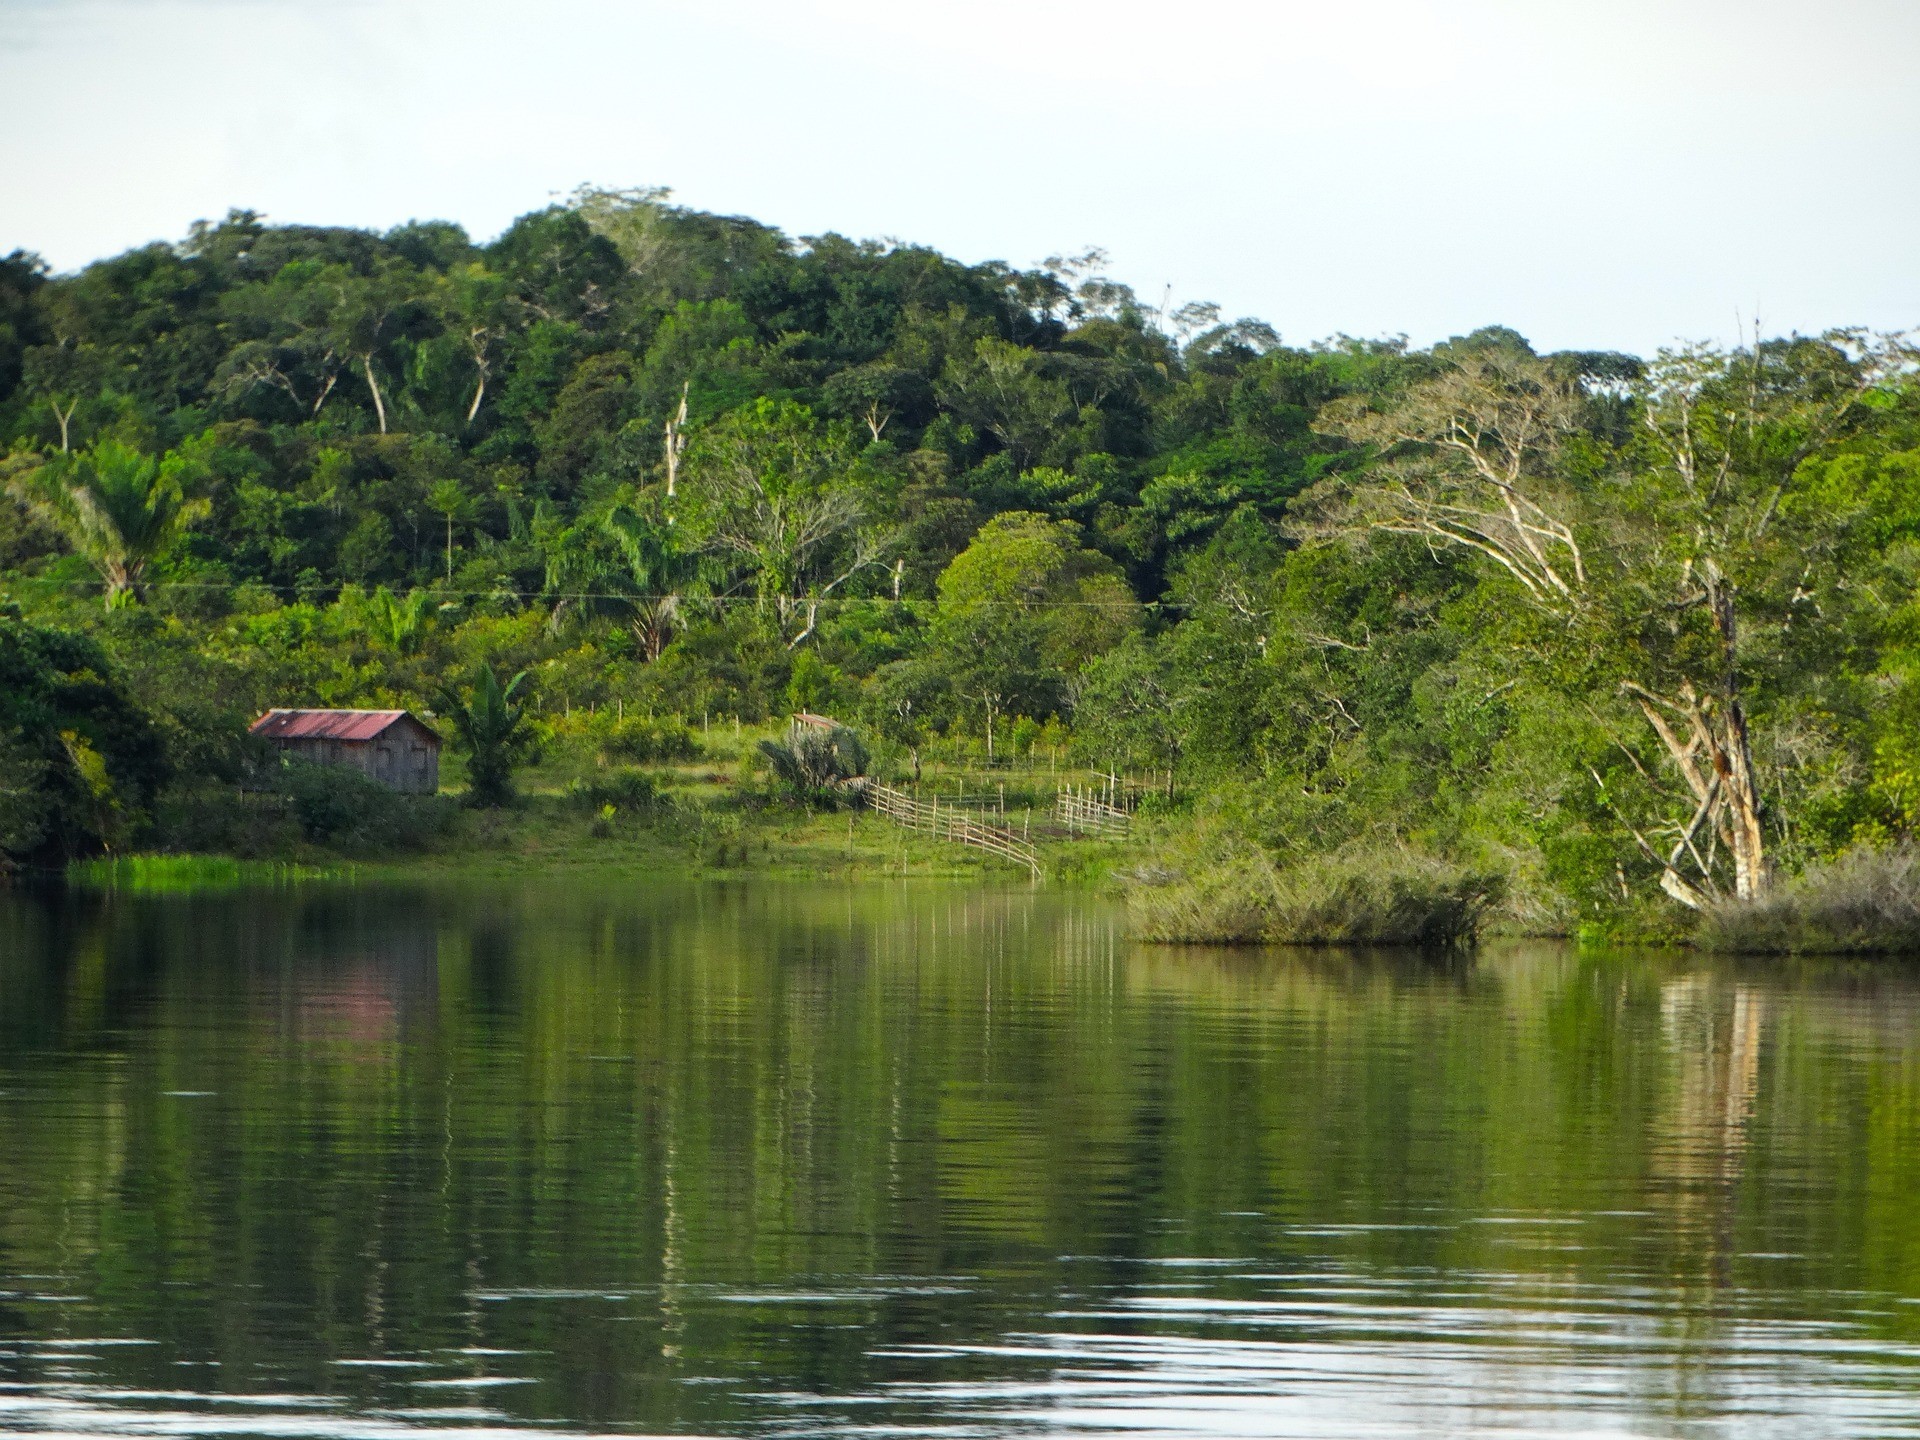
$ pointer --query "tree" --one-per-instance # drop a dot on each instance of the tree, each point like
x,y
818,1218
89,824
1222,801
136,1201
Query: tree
x,y
1129,706
449,499
119,509
1705,562
63,377
1021,609
906,701
631,566
479,307
400,622
492,724
79,760
366,314
786,503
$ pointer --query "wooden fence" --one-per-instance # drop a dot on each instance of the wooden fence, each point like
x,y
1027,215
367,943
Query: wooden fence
x,y
1093,811
951,823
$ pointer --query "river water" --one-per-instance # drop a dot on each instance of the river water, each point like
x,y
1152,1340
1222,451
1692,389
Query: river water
x,y
768,1158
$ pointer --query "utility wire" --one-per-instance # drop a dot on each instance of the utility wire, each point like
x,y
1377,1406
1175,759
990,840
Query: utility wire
x,y
530,596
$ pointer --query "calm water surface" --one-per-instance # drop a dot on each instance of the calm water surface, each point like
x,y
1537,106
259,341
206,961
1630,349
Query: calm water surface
x,y
772,1159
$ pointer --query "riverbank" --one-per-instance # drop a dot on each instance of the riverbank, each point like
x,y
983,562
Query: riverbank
x,y
554,833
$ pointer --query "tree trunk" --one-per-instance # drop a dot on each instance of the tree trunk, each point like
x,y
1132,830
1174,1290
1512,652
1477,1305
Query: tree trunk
x,y
379,405
1733,754
1726,789
1733,760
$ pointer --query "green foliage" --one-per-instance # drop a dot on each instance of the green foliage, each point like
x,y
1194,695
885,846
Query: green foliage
x,y
622,788
1863,902
350,812
80,761
119,509
491,723
631,739
1500,607
814,764
1021,608
1395,898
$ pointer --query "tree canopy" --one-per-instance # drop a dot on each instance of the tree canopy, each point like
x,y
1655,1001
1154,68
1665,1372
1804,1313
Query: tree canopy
x,y
1636,630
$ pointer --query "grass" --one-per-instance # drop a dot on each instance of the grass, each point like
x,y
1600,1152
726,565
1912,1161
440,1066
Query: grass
x,y
1865,902
1396,898
181,874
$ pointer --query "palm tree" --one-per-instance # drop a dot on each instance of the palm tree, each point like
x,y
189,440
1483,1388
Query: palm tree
x,y
629,567
492,725
400,622
816,765
119,509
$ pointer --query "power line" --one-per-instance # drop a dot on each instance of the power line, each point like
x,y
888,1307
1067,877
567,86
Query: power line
x,y
533,596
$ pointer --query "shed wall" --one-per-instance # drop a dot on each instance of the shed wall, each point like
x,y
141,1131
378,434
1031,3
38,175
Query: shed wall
x,y
402,757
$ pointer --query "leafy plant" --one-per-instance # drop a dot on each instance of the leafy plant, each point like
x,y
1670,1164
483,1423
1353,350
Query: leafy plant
x,y
349,811
400,622
814,765
624,789
492,725
119,509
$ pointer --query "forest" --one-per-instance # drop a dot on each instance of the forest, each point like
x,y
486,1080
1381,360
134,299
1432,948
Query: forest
x,y
1572,641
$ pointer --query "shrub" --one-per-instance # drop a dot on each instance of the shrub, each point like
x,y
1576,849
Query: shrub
x,y
815,765
219,820
1864,902
633,740
346,810
491,724
643,740
623,789
1359,899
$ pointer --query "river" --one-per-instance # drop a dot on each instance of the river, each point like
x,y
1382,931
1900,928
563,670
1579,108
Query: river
x,y
571,1156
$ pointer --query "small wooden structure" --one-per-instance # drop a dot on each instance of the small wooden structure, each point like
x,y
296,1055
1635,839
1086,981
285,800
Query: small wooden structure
x,y
392,746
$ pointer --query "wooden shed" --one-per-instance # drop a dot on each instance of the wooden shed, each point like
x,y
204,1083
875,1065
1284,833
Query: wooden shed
x,y
390,745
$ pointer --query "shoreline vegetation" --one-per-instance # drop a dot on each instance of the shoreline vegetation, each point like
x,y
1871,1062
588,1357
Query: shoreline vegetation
x,y
1342,641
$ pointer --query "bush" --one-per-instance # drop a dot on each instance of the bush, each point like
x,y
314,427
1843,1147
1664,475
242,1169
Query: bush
x,y
343,809
1867,901
1362,899
815,765
218,820
632,740
624,789
644,740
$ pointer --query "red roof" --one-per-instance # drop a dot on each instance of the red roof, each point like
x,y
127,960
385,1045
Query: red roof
x,y
329,724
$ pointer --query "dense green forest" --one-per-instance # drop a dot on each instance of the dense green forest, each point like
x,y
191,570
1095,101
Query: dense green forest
x,y
1635,636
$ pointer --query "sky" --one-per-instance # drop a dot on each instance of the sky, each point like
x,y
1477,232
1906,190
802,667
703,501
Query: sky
x,y
1613,175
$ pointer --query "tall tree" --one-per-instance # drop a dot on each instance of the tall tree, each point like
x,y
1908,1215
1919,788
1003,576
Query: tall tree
x,y
786,503
118,508
1663,575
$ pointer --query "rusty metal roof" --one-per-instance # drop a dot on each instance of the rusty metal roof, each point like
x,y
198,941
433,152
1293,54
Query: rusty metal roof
x,y
359,725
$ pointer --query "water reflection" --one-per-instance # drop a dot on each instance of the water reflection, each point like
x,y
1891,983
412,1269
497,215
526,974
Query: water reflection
x,y
776,1158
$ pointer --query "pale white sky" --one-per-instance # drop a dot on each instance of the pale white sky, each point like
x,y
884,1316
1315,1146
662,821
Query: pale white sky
x,y
1595,175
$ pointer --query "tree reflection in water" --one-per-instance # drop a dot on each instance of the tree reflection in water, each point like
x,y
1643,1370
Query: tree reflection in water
x,y
772,1156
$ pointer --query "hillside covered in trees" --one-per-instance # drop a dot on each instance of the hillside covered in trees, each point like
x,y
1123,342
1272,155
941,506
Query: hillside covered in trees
x,y
1634,635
